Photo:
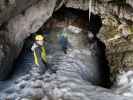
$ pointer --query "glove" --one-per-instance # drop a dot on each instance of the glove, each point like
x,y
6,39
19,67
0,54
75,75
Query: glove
x,y
34,46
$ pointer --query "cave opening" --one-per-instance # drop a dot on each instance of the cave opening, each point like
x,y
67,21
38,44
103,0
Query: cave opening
x,y
66,17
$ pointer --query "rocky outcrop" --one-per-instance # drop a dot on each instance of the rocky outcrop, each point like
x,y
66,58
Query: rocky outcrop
x,y
72,79
105,7
11,8
117,37
18,19
130,2
123,85
34,17
114,14
7,51
19,27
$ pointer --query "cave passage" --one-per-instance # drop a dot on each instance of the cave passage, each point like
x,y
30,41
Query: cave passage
x,y
78,26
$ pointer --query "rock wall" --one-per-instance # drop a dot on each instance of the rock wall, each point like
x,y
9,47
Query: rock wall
x,y
105,7
11,8
19,27
7,51
117,29
20,18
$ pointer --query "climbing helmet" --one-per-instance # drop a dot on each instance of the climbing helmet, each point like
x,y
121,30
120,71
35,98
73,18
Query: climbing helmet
x,y
39,37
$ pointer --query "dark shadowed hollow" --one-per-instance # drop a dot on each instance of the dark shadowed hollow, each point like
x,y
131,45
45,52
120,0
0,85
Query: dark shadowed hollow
x,y
60,19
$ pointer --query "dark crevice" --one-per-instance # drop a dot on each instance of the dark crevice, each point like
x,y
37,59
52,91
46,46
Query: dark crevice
x,y
7,2
95,23
3,27
94,26
23,63
103,64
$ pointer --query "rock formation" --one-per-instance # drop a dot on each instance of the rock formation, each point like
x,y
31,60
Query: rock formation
x,y
18,19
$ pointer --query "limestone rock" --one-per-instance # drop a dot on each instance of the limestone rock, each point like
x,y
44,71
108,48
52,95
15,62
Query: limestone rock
x,y
20,18
105,7
118,41
20,26
11,8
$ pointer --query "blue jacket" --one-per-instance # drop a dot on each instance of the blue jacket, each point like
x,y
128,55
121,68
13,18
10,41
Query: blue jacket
x,y
63,40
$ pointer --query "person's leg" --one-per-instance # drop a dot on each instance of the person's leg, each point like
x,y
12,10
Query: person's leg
x,y
43,68
46,65
65,50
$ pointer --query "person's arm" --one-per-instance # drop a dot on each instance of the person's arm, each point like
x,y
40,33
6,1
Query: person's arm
x,y
33,47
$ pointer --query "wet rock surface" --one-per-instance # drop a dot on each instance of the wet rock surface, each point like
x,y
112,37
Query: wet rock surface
x,y
69,82
11,8
71,77
7,51
18,22
122,9
118,40
123,85
20,18
20,26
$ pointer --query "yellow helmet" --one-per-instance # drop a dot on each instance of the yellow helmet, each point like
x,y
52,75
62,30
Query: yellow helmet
x,y
39,37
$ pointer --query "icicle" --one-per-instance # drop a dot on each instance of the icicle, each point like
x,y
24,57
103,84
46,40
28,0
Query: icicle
x,y
90,8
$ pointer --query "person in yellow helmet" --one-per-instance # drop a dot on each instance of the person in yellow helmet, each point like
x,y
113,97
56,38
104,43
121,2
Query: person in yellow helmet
x,y
39,52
